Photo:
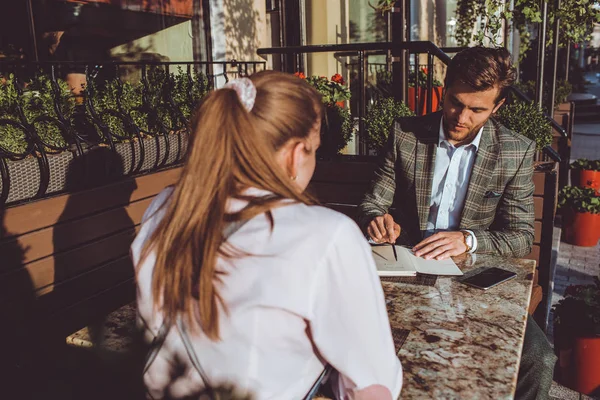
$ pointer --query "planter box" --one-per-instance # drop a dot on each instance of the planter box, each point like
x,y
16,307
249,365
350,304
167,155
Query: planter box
x,y
436,99
26,177
99,166
155,152
578,366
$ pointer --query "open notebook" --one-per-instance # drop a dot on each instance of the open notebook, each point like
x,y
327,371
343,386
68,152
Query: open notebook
x,y
408,264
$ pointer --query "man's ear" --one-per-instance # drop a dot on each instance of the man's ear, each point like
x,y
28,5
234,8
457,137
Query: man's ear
x,y
498,105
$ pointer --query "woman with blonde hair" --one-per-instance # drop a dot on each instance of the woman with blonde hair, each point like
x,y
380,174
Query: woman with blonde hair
x,y
242,279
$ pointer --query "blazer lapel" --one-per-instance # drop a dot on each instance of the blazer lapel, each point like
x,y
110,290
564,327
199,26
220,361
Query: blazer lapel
x,y
424,166
483,169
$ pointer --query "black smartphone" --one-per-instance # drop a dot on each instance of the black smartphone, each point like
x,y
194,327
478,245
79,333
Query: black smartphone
x,y
488,278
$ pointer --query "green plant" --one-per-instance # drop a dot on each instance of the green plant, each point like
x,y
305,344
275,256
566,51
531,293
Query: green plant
x,y
577,21
563,90
37,102
157,78
132,103
380,118
333,90
525,118
578,313
188,91
339,127
105,100
12,138
579,199
584,163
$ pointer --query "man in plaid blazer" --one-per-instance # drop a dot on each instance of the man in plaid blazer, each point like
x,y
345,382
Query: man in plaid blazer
x,y
497,208
456,181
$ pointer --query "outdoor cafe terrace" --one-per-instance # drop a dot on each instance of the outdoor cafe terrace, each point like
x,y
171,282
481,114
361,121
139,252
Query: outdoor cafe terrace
x,y
77,177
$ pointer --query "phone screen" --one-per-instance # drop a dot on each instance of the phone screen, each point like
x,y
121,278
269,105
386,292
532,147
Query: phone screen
x,y
489,277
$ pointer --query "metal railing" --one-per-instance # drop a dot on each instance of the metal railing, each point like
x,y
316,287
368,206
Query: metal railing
x,y
416,49
40,137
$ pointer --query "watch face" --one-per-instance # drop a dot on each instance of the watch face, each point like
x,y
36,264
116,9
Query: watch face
x,y
468,240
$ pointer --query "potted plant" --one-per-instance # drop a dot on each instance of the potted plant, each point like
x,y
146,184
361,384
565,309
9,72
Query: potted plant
x,y
525,118
581,215
586,173
32,138
333,91
435,92
338,123
188,91
380,118
577,336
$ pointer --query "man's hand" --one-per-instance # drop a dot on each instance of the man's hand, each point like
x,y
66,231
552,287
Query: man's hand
x,y
441,246
383,229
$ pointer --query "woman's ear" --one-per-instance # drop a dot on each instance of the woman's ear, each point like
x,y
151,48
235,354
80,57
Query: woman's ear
x,y
297,154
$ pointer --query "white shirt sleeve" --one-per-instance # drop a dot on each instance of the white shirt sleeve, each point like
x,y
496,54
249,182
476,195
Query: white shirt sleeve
x,y
349,321
474,247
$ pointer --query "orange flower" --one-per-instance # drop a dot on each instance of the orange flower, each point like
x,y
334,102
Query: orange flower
x,y
300,75
424,69
337,78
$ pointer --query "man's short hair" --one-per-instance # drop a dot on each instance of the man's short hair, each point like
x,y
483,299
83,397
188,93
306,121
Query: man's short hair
x,y
482,68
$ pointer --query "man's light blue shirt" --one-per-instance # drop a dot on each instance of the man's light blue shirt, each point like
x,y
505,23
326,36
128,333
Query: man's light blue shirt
x,y
451,175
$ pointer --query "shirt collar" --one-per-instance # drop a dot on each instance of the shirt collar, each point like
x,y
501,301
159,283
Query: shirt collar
x,y
442,136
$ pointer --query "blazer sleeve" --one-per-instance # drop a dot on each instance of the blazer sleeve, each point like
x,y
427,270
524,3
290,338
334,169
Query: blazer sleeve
x,y
380,196
512,232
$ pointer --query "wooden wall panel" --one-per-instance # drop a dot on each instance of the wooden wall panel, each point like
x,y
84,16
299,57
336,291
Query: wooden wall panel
x,y
43,213
535,254
64,236
537,237
45,273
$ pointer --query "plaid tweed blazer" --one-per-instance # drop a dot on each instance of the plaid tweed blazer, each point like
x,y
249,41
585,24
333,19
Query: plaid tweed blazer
x,y
498,206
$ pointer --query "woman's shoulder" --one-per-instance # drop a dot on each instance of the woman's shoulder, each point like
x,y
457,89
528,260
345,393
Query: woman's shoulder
x,y
157,203
320,219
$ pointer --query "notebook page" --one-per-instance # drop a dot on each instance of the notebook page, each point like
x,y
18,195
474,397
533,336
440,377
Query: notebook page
x,y
387,264
430,267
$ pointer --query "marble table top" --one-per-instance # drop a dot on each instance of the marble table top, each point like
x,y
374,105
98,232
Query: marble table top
x,y
464,342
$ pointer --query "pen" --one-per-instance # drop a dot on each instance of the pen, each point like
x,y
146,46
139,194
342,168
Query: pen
x,y
395,254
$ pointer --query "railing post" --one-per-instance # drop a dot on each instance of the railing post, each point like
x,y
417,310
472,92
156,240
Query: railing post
x,y
429,82
568,61
400,59
552,96
417,85
362,140
539,84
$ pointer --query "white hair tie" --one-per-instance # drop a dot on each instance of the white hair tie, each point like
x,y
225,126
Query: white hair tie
x,y
245,90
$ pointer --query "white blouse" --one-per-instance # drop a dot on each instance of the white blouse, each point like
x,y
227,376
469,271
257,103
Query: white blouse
x,y
308,295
